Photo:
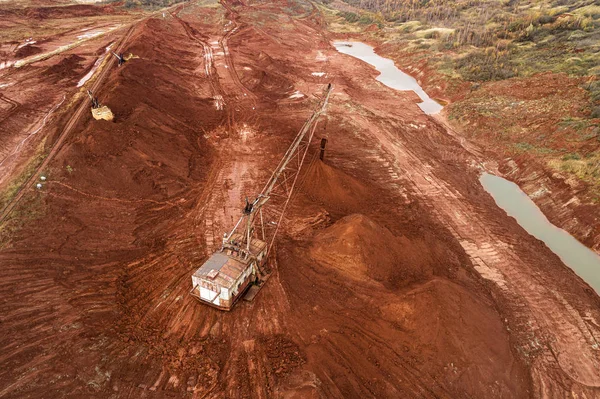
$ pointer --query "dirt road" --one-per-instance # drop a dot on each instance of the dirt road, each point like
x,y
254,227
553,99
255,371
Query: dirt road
x,y
395,276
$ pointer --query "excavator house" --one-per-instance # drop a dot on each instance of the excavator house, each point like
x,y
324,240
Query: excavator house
x,y
241,261
226,275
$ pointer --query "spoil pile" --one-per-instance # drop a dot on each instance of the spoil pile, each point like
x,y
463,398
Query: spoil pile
x,y
360,248
333,188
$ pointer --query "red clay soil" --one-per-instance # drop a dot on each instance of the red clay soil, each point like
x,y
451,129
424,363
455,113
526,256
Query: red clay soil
x,y
26,51
70,11
66,68
362,249
44,11
521,123
395,274
334,189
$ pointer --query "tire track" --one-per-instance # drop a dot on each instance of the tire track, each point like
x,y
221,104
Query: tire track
x,y
550,329
83,106
79,111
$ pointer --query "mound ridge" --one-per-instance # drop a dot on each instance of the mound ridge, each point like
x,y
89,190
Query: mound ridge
x,y
361,248
333,188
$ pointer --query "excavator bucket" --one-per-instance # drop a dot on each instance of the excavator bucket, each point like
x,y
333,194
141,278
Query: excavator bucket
x,y
100,111
121,58
103,112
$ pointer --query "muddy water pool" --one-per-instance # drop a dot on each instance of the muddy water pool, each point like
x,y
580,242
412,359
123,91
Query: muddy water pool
x,y
390,75
508,196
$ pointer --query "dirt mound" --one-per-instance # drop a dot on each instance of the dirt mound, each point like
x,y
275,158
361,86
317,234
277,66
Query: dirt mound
x,y
65,69
437,337
359,247
456,333
26,51
333,188
78,10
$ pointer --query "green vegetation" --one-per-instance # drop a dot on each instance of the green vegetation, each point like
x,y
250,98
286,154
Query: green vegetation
x,y
486,55
520,148
31,207
584,129
490,40
575,156
13,188
585,168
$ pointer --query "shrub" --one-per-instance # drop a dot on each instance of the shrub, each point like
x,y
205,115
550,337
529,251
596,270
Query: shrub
x,y
546,19
349,16
365,20
516,26
594,89
575,156
478,66
434,34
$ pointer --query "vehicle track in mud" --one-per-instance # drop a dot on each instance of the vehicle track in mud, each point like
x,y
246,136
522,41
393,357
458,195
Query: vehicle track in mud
x,y
494,260
56,146
500,259
12,107
221,198
100,263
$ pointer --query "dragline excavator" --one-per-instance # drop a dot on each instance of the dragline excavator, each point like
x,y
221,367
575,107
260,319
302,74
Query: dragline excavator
x,y
100,111
241,261
121,58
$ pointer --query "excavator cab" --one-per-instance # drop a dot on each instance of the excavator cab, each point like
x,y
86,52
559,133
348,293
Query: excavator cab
x,y
120,58
100,111
95,102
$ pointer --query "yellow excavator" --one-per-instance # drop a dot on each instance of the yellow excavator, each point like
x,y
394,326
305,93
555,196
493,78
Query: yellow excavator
x,y
100,111
121,59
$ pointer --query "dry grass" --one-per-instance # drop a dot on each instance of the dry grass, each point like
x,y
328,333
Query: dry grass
x,y
11,190
586,168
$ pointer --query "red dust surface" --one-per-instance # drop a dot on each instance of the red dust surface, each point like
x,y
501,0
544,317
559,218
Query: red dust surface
x,y
395,274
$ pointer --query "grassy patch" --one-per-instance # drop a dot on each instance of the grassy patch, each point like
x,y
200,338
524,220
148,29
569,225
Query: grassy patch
x,y
481,66
523,147
584,129
32,207
13,187
585,168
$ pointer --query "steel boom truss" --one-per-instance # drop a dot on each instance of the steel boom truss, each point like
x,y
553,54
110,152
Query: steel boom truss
x,y
277,192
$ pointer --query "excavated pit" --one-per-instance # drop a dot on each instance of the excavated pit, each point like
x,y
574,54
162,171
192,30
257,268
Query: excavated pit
x,y
380,285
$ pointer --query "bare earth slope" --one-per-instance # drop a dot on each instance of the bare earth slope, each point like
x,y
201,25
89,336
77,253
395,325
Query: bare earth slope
x,y
395,276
